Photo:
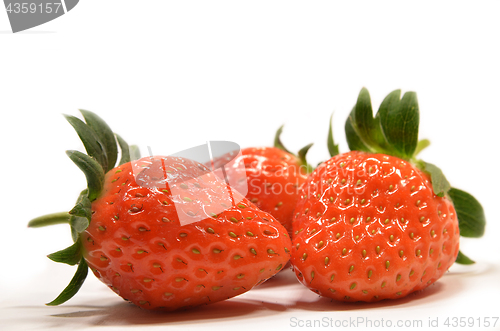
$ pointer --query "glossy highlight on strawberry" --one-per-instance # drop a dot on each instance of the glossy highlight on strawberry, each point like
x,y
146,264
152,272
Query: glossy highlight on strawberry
x,y
377,223
136,245
162,232
369,227
274,176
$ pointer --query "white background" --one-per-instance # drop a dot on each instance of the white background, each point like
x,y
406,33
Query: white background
x,y
174,74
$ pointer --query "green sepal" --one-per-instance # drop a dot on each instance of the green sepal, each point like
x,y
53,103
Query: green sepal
x,y
74,285
470,213
463,259
105,135
124,148
277,140
389,104
81,215
71,255
302,157
333,148
82,207
90,140
135,153
440,184
93,172
363,130
354,141
394,129
400,121
362,119
50,219
78,225
422,144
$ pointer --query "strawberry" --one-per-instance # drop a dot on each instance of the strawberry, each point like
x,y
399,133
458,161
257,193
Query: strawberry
x,y
376,223
274,176
163,232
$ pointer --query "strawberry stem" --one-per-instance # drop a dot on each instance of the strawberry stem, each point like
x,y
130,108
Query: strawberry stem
x,y
50,219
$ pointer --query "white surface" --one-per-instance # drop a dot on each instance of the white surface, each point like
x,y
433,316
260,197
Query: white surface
x,y
280,304
182,73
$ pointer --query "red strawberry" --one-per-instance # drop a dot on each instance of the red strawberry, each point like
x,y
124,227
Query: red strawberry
x,y
372,226
127,229
274,176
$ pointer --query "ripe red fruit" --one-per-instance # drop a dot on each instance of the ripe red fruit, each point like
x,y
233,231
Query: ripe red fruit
x,y
372,226
136,245
274,177
127,229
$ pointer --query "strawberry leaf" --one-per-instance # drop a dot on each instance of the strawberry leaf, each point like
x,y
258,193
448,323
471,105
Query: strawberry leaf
x,y
126,151
354,140
462,259
89,139
74,285
391,101
81,215
104,135
422,144
364,132
78,225
71,255
302,157
470,213
92,170
50,219
333,148
400,120
440,184
363,116
82,207
277,140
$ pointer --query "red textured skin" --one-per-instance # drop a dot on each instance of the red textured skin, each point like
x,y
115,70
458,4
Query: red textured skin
x,y
430,225
274,178
147,257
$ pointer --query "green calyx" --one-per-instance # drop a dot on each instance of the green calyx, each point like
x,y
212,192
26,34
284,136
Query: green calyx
x,y
101,145
301,154
394,131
